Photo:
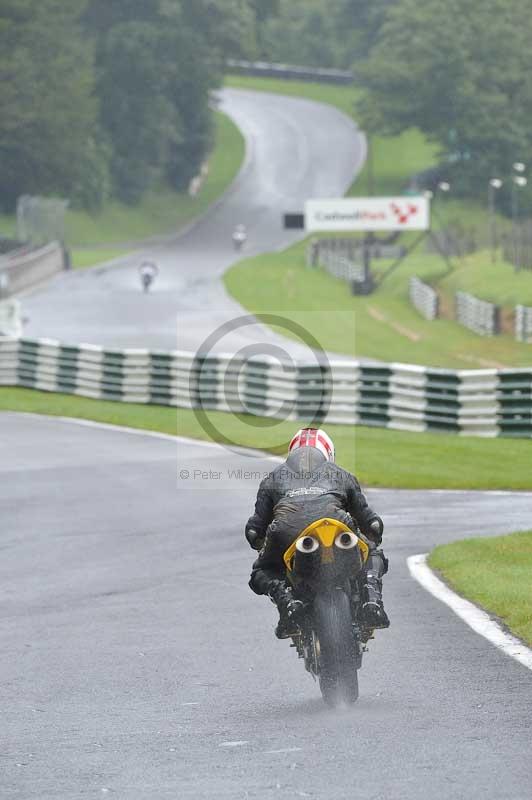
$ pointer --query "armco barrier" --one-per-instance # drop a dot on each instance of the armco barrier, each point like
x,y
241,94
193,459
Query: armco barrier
x,y
401,396
523,324
339,257
477,315
266,69
23,271
424,298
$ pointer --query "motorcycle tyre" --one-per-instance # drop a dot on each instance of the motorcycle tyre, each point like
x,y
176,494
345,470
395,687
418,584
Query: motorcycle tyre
x,y
337,659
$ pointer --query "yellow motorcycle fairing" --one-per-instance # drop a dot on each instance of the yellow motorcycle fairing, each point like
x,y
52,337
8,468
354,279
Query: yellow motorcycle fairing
x,y
325,531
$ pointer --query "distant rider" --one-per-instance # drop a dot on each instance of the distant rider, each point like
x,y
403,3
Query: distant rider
x,y
240,236
306,487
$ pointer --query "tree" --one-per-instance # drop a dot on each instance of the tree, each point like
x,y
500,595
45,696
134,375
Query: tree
x,y
301,33
459,72
48,115
357,24
157,62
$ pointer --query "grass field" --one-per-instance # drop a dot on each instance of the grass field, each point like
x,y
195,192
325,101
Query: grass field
x,y
383,326
498,283
495,574
88,258
161,211
379,457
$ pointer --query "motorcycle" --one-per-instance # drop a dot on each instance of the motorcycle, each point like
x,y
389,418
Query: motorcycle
x,y
239,237
324,567
148,272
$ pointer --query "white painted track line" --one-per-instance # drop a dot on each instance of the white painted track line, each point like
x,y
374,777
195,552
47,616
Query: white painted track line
x,y
477,619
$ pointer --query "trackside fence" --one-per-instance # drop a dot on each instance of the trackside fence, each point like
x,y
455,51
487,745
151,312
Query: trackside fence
x,y
267,69
478,315
20,271
413,398
339,257
523,324
424,298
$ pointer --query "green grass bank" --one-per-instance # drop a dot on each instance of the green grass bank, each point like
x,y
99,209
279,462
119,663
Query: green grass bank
x,y
379,457
383,326
493,573
161,211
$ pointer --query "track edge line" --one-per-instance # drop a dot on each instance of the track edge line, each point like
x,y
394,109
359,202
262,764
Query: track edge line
x,y
476,618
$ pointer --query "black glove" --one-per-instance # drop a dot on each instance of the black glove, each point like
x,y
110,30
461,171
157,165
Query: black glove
x,y
376,527
255,539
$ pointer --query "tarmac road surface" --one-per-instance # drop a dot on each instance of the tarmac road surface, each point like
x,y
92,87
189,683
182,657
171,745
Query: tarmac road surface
x,y
136,663
296,150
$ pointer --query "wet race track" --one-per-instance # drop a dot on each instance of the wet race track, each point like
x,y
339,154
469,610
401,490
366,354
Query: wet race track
x,y
135,661
295,150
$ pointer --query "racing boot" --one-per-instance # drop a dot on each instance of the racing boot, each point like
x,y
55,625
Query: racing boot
x,y
289,610
373,614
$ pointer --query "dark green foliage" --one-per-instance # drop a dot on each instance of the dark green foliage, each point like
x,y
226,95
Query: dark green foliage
x,y
136,111
101,97
48,116
317,32
459,71
302,33
157,61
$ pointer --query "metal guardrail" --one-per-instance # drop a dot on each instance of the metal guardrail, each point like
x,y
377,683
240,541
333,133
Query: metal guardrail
x,y
24,269
339,257
523,324
479,316
289,71
424,298
474,402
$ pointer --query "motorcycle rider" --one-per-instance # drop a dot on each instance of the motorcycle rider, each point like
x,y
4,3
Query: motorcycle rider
x,y
306,487
240,236
148,272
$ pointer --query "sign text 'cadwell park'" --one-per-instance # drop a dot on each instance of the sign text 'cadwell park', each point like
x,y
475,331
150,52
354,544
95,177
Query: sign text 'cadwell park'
x,y
368,214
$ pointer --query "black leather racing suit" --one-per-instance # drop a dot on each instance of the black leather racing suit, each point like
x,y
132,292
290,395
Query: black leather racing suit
x,y
305,488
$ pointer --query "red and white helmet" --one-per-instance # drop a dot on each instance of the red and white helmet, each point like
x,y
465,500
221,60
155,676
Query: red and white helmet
x,y
313,437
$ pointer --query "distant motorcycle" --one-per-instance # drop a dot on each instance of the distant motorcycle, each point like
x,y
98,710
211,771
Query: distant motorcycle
x,y
148,272
239,237
324,567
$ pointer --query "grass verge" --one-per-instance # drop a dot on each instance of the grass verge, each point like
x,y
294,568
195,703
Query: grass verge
x,y
89,258
384,325
495,574
379,457
161,211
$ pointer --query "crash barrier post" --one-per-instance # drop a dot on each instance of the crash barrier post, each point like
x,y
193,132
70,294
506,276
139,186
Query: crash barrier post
x,y
19,271
424,298
479,316
523,324
10,318
406,397
339,257
267,69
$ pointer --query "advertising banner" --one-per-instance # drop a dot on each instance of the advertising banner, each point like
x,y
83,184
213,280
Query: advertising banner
x,y
368,214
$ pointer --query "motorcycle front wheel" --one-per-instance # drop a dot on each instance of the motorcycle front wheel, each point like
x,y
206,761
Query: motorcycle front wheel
x,y
337,648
